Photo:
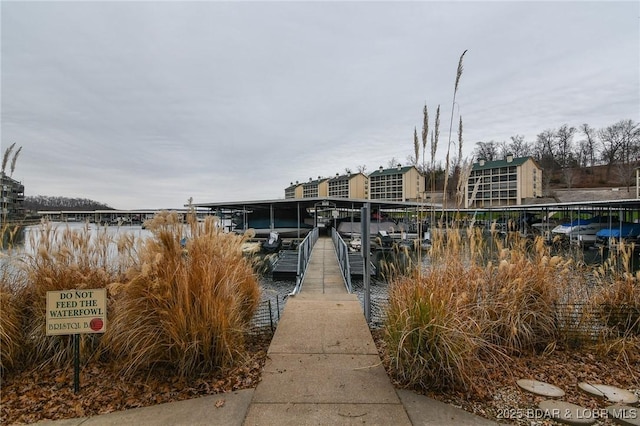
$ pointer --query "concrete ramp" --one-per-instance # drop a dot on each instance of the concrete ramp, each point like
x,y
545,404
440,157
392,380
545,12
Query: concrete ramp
x,y
323,367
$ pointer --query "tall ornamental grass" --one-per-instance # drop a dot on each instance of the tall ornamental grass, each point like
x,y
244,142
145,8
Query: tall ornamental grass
x,y
188,302
515,298
619,299
442,322
61,258
431,336
11,337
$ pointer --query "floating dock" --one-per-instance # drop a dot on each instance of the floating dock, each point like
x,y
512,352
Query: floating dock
x,y
286,265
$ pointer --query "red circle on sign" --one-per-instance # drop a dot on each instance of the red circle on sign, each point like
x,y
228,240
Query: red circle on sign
x,y
96,324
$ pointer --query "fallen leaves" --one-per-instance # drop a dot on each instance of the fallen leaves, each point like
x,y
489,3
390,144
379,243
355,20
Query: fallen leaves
x,y
495,389
32,396
35,395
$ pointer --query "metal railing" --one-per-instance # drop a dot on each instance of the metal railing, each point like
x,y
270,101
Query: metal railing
x,y
304,253
343,258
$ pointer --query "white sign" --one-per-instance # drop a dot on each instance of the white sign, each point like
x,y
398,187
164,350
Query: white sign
x,y
76,311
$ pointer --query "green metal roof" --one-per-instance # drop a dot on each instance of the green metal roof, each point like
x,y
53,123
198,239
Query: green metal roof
x,y
500,163
391,171
346,176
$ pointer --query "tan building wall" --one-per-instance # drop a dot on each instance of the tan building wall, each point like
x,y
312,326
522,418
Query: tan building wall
x,y
315,188
347,186
358,186
323,188
396,184
503,182
408,185
529,180
414,189
293,191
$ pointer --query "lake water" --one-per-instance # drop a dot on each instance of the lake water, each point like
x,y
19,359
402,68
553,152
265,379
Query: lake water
x,y
274,292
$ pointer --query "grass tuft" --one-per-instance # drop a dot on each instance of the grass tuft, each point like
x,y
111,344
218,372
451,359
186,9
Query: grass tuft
x,y
11,337
187,304
63,258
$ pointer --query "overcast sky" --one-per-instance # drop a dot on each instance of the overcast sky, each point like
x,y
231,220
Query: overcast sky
x,y
145,104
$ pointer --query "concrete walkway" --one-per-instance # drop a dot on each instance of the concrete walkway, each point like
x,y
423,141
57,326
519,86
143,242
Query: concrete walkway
x,y
323,368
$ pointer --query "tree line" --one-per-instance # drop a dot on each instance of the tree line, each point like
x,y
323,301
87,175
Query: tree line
x,y
565,154
45,202
567,150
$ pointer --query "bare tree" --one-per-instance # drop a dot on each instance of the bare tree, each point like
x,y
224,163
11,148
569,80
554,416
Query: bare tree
x,y
486,150
544,145
518,147
394,162
564,143
503,149
435,176
588,147
629,152
564,154
544,151
582,154
611,139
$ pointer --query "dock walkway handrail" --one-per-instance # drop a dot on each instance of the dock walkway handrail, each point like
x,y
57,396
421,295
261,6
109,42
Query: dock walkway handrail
x,y
304,253
343,258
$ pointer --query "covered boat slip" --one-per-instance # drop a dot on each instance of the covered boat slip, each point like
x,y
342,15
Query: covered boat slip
x,y
577,222
296,216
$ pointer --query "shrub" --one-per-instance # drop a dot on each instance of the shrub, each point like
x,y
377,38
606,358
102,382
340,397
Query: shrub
x,y
188,302
618,299
442,321
11,339
432,341
62,258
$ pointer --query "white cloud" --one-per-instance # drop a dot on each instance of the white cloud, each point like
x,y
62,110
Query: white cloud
x,y
144,104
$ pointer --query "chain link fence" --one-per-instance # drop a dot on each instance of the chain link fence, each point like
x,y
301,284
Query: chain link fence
x,y
268,314
588,322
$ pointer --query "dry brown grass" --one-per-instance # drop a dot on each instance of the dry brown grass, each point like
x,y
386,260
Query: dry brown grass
x,y
181,299
62,259
11,339
618,301
186,305
466,306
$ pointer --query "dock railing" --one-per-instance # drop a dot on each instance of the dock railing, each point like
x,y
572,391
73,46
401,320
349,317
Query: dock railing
x,y
342,252
304,253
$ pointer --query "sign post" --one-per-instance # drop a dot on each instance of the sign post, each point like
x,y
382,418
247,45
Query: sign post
x,y
75,312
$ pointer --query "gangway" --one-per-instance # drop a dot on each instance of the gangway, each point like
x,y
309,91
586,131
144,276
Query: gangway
x,y
304,254
342,251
